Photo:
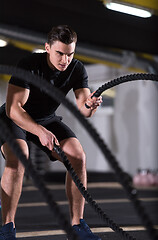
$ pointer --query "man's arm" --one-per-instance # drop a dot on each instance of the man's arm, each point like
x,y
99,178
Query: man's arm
x,y
83,96
16,98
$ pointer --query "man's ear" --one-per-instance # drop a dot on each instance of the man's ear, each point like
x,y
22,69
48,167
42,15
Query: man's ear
x,y
47,47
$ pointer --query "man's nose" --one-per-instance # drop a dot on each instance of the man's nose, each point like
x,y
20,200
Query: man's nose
x,y
65,58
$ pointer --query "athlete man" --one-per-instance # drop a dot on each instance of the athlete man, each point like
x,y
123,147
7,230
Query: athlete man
x,y
30,115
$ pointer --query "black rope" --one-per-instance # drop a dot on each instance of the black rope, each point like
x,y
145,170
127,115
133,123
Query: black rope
x,y
5,133
122,177
124,79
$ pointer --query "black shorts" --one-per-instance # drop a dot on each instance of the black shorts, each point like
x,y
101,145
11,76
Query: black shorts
x,y
55,125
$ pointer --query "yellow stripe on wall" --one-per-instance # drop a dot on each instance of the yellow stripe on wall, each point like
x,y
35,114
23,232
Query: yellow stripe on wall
x,y
152,4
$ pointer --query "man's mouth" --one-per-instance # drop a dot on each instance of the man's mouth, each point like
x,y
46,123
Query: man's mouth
x,y
63,65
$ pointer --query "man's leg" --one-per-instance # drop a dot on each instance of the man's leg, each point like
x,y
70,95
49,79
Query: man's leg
x,y
76,156
11,182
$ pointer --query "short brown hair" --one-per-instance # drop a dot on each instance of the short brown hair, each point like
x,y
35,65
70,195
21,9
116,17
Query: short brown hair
x,y
62,33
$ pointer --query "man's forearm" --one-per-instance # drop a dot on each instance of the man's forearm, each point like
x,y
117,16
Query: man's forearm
x,y
24,120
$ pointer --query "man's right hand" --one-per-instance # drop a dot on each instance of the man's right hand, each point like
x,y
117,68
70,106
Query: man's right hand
x,y
47,138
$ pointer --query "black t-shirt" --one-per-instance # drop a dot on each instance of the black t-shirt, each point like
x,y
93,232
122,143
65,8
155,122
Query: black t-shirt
x,y
39,105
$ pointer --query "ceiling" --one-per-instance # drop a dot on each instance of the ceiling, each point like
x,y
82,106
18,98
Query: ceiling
x,y
99,29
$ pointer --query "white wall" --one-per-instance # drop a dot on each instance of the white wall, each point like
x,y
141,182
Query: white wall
x,y
148,125
135,125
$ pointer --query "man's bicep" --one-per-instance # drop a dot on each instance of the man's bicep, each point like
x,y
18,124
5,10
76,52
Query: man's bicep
x,y
16,96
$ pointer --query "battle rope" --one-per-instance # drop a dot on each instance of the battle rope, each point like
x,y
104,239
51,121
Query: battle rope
x,y
122,177
124,79
38,181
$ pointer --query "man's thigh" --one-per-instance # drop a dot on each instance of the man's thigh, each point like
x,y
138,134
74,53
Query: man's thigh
x,y
71,146
17,133
62,132
10,155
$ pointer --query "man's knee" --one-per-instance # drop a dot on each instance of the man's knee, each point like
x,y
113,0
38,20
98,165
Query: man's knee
x,y
11,159
14,163
74,152
80,160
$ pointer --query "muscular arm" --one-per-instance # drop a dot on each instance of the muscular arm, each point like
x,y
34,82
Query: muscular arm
x,y
83,96
16,98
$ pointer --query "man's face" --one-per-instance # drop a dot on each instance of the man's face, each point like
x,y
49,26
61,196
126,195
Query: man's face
x,y
60,55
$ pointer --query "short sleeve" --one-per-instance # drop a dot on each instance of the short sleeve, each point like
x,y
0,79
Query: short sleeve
x,y
81,77
23,64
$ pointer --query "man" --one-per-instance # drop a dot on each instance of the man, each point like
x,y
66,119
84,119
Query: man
x,y
30,115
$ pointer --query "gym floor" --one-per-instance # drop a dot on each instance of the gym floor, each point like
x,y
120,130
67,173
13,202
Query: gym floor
x,y
35,220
